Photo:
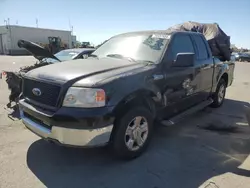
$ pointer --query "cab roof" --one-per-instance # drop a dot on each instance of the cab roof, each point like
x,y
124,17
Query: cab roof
x,y
156,32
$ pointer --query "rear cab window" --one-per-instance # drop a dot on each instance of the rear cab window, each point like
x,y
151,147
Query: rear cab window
x,y
201,48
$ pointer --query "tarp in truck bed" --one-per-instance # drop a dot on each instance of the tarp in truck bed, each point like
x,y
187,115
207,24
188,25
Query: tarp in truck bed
x,y
218,41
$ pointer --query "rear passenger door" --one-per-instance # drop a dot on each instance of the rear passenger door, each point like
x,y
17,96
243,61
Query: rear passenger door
x,y
205,63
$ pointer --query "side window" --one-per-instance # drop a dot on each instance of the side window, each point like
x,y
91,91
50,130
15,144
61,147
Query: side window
x,y
181,44
201,48
89,52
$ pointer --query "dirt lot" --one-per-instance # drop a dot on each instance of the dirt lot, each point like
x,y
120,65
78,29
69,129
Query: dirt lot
x,y
180,156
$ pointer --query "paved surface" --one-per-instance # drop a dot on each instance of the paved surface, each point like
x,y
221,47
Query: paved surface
x,y
180,156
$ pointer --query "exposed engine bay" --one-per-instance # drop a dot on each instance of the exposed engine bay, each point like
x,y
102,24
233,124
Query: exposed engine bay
x,y
44,57
14,81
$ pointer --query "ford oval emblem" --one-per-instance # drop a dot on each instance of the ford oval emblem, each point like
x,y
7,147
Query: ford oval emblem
x,y
36,91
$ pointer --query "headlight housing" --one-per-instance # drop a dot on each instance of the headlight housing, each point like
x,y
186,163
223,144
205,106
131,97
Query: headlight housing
x,y
84,97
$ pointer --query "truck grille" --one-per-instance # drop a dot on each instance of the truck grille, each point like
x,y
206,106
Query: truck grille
x,y
49,92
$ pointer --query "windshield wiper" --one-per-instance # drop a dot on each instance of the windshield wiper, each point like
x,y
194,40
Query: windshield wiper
x,y
147,61
121,57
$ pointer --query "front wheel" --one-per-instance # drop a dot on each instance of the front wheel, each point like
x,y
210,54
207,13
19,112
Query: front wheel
x,y
132,133
219,95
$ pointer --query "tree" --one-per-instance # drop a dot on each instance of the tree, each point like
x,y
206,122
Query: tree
x,y
78,44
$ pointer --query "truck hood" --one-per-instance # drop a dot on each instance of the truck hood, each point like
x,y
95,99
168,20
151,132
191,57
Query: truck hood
x,y
76,70
36,50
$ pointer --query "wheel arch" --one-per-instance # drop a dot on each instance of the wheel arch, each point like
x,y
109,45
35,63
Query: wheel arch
x,y
224,76
139,97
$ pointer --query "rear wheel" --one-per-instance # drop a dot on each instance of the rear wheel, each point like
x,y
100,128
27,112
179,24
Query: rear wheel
x,y
220,93
132,133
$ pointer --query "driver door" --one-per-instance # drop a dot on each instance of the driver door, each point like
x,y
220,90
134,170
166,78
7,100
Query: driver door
x,y
182,84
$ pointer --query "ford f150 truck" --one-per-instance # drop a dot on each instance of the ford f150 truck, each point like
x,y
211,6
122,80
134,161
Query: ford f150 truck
x,y
128,83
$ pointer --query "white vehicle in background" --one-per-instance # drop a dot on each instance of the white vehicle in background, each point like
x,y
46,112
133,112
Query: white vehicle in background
x,y
242,57
233,58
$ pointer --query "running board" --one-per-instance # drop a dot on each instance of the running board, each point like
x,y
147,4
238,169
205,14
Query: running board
x,y
186,113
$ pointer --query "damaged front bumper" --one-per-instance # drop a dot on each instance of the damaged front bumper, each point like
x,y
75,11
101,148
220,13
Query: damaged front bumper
x,y
69,130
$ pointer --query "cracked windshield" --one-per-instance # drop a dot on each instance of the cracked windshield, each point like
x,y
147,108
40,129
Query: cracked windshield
x,y
124,94
139,47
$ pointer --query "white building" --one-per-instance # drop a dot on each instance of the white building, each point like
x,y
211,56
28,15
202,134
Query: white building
x,y
10,34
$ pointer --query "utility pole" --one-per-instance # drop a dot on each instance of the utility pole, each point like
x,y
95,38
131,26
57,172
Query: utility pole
x,y
6,23
36,22
69,23
71,32
70,27
9,27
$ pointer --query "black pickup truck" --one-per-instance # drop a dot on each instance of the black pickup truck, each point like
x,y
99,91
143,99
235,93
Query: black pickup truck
x,y
128,83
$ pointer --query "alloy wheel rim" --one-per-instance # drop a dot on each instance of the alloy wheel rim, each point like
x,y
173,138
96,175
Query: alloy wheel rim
x,y
136,133
221,93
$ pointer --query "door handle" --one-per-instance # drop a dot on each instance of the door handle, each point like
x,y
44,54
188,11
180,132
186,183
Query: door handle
x,y
206,66
202,67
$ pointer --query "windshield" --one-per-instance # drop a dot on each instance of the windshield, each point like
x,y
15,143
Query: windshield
x,y
66,55
139,47
63,55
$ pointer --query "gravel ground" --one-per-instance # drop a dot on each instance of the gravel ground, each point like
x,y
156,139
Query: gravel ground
x,y
180,156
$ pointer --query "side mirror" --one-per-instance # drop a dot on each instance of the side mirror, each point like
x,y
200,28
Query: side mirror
x,y
184,60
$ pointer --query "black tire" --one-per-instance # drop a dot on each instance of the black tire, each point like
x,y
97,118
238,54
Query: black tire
x,y
118,141
218,101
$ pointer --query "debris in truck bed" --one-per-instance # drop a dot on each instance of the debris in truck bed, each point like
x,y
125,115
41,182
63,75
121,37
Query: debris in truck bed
x,y
218,41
